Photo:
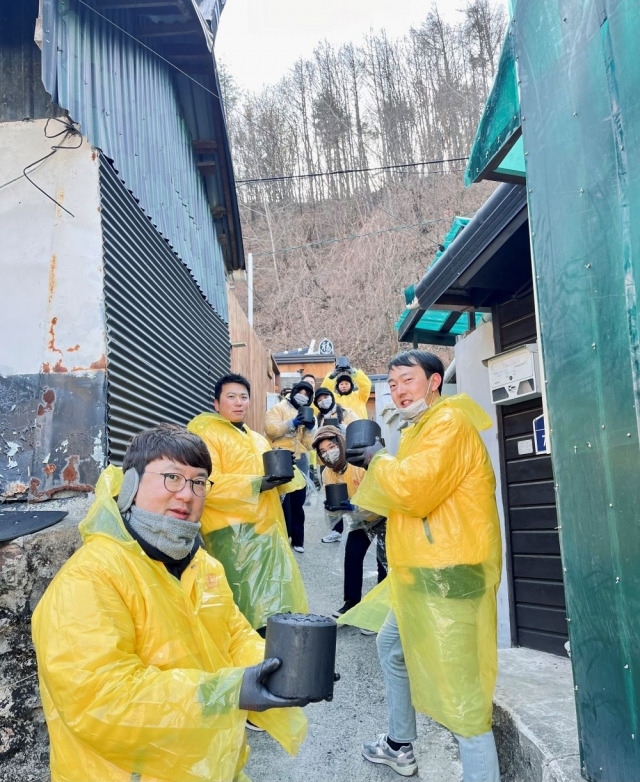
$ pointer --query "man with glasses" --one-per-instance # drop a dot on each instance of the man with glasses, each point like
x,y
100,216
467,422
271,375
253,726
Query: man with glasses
x,y
243,523
147,668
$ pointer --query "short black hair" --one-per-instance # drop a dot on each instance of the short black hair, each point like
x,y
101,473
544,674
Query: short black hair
x,y
309,374
166,441
231,378
429,362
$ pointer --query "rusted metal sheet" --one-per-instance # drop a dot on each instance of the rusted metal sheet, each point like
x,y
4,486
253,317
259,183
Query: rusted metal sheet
x,y
52,434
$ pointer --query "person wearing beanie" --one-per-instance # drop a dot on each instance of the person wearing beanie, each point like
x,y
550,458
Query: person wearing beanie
x,y
351,387
147,668
287,425
364,526
328,408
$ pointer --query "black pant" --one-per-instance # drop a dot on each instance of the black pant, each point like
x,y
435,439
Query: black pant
x,y
357,544
293,509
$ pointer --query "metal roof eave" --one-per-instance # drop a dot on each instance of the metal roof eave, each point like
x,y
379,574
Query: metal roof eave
x,y
493,224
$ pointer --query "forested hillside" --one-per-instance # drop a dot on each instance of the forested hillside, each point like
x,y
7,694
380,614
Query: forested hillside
x,y
396,118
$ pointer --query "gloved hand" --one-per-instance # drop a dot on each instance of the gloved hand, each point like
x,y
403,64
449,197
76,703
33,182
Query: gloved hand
x,y
254,696
271,481
361,457
297,422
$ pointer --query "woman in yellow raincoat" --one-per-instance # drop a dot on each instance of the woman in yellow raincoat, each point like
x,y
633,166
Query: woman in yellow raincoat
x,y
444,553
351,389
147,668
243,524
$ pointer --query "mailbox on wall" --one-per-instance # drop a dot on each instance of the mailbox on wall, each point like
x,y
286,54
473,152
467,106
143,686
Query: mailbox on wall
x,y
514,375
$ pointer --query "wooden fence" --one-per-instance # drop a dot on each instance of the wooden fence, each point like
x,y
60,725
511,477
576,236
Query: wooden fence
x,y
252,360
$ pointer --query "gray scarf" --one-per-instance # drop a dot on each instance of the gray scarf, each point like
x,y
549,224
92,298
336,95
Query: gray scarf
x,y
172,537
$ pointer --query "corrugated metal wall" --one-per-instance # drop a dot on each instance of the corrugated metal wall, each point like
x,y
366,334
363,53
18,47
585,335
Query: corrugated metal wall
x,y
166,344
22,94
125,100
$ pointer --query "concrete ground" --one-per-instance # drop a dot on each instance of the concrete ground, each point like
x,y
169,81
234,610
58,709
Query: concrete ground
x,y
357,712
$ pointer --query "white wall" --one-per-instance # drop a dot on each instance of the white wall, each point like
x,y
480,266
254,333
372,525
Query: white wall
x,y
51,300
472,378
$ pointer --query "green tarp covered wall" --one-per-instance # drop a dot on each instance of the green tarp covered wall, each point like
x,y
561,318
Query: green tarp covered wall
x,y
579,73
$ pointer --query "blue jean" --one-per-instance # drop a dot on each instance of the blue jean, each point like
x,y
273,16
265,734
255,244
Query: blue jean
x,y
478,753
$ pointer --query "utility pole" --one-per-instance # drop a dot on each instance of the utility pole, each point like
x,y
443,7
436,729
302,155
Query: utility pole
x,y
250,288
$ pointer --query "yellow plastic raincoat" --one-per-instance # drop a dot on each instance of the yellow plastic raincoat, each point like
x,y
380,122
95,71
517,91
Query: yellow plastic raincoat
x,y
356,400
276,427
244,528
140,673
444,551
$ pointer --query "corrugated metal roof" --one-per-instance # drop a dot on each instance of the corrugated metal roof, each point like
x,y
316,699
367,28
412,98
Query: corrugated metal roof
x,y
130,104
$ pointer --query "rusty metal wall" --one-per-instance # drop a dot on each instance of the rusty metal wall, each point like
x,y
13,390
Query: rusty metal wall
x,y
53,432
166,344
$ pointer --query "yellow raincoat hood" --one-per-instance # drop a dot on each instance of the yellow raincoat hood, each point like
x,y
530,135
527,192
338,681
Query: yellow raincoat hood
x,y
140,673
444,552
244,528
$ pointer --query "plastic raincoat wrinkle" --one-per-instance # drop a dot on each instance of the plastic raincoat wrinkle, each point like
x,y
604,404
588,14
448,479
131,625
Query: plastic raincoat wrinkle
x,y
244,528
140,673
356,400
276,427
444,551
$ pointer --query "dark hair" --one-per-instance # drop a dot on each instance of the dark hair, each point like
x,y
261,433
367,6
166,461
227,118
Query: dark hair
x,y
429,362
226,379
309,374
166,441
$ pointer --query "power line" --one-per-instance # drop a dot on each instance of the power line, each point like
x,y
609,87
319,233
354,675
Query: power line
x,y
283,177
322,242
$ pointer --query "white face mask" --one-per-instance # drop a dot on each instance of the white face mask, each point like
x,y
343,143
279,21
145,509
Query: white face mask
x,y
332,456
301,399
413,411
325,403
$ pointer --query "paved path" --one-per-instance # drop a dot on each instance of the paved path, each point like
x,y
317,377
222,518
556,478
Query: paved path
x,y
357,713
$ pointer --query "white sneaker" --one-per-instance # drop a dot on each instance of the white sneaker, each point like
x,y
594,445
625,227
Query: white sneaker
x,y
367,632
333,537
299,549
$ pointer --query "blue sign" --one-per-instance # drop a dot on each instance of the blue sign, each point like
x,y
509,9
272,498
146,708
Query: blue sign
x,y
540,435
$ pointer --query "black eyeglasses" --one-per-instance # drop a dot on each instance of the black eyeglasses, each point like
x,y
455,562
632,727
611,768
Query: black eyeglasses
x,y
174,482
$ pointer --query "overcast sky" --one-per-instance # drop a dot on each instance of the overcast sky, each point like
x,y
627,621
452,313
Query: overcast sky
x,y
259,40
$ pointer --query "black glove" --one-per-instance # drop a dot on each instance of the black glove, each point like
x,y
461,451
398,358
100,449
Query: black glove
x,y
254,696
271,481
361,457
309,424
334,374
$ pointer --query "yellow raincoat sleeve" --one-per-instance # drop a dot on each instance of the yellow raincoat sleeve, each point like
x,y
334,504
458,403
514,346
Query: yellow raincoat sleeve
x,y
276,421
421,481
364,385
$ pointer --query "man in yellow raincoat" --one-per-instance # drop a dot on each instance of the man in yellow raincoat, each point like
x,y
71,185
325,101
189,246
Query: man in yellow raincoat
x,y
350,387
242,524
437,647
147,668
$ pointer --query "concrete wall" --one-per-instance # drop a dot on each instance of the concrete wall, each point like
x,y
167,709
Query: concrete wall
x,y
53,345
472,378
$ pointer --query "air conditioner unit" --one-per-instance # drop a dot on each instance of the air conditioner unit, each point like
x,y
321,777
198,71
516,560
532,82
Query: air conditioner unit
x,y
514,375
